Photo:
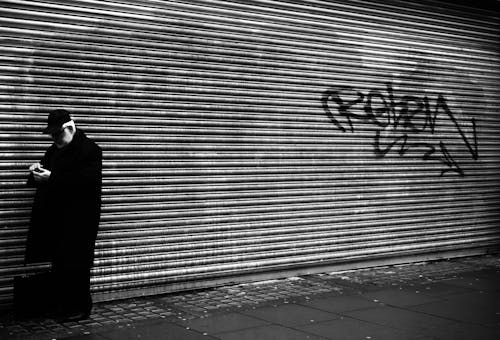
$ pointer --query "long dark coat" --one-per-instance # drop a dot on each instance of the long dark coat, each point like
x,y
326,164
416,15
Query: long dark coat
x,y
66,209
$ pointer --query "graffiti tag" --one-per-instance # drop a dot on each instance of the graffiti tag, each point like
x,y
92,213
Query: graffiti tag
x,y
397,120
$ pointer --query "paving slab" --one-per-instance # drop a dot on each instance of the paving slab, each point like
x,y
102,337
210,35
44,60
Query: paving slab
x,y
343,303
154,331
477,281
417,323
353,329
84,337
400,297
229,322
441,289
462,331
475,308
290,314
271,332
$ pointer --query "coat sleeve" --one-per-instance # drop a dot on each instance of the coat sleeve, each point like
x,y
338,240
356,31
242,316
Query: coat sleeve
x,y
31,179
84,175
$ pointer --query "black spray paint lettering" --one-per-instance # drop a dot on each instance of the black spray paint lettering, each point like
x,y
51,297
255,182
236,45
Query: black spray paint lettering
x,y
402,117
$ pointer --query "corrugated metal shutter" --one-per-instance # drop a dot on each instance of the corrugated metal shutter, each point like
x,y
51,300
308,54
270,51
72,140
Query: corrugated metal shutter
x,y
249,136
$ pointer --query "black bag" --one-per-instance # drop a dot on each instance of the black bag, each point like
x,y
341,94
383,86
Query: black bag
x,y
34,295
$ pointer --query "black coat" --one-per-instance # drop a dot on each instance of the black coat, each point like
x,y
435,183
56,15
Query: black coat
x,y
66,210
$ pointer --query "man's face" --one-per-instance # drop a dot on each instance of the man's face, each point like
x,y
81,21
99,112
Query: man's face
x,y
62,137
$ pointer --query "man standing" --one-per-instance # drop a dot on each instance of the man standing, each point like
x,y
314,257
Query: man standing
x,y
66,213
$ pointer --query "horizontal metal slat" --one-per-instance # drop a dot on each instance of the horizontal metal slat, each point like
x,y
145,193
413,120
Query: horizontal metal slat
x,y
155,41
315,210
337,236
287,250
458,220
309,38
227,16
156,277
222,64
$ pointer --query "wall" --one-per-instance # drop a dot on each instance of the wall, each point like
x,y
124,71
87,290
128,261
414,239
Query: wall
x,y
260,136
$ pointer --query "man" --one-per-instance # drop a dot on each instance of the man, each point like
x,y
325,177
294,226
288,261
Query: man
x,y
66,213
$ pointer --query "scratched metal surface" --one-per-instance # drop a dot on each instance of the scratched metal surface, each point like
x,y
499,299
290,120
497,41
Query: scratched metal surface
x,y
257,136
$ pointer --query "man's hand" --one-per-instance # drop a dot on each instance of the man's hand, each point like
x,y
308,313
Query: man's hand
x,y
39,173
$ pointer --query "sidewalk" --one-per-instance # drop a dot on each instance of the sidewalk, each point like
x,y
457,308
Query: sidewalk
x,y
454,299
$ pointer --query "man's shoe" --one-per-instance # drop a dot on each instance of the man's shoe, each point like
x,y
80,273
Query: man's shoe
x,y
74,317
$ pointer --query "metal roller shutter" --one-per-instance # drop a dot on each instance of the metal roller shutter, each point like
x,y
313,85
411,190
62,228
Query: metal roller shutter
x,y
257,136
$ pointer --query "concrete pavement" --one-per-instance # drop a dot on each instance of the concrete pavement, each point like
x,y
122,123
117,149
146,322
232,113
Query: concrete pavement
x,y
447,300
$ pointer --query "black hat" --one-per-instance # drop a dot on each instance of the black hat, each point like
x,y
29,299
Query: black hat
x,y
56,120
